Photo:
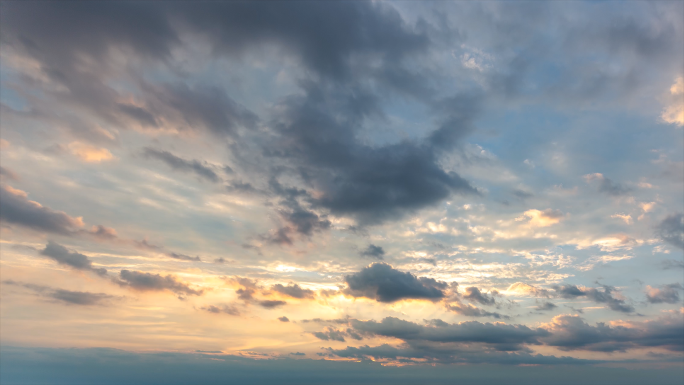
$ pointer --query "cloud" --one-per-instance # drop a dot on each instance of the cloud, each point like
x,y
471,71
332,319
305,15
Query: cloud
x,y
74,259
666,294
472,311
524,288
248,288
406,354
271,304
293,290
222,309
330,334
373,251
545,305
499,336
8,174
474,294
673,113
183,257
572,333
351,179
196,167
283,319
599,296
103,232
142,281
190,107
15,208
383,283
672,264
81,298
89,153
671,230
544,218
607,186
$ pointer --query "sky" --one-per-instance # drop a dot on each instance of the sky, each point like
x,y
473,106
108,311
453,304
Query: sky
x,y
342,192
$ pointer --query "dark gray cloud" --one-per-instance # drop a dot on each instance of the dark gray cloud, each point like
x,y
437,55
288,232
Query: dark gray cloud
x,y
74,259
572,333
474,294
248,288
82,298
412,354
499,336
545,305
183,257
298,220
321,36
271,304
221,309
293,290
330,334
142,281
283,319
373,251
383,283
671,230
665,294
201,169
325,36
472,311
316,133
16,208
596,295
370,184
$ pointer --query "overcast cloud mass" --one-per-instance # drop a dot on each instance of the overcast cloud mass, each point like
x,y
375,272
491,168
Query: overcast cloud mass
x,y
301,187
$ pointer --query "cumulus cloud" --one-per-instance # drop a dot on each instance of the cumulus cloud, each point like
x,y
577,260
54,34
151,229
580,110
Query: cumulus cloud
x,y
545,305
283,319
665,294
499,336
572,333
373,251
81,298
474,294
16,208
74,259
271,304
596,295
293,290
671,230
473,311
383,283
141,281
222,309
330,334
